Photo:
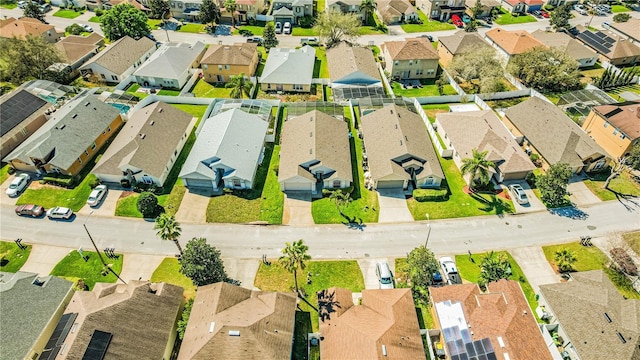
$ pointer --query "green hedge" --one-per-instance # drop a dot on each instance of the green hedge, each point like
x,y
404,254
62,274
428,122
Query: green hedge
x,y
423,195
67,182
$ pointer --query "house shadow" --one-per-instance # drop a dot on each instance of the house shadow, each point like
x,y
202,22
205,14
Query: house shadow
x,y
571,212
327,304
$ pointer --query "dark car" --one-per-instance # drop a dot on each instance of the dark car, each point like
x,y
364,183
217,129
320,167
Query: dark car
x,y
427,36
255,39
30,210
437,279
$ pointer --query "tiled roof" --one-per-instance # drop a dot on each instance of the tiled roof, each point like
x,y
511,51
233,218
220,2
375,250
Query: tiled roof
x,y
625,117
513,42
461,42
394,8
237,54
20,28
75,47
344,60
171,60
122,54
411,49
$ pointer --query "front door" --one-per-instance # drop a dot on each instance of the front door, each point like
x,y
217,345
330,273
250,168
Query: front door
x,y
220,78
406,74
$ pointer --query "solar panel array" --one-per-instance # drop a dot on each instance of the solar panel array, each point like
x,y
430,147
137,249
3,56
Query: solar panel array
x,y
98,345
340,94
250,106
461,347
59,335
17,108
597,40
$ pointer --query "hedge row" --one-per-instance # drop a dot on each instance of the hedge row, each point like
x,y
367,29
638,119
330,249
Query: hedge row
x,y
423,195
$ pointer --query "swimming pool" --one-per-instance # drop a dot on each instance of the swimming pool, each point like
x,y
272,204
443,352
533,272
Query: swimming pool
x,y
123,108
49,98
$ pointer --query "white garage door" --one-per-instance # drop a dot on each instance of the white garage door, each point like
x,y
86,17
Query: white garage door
x,y
291,186
199,184
390,184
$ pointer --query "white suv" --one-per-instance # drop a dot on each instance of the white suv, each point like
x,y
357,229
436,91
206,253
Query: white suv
x,y
18,184
518,193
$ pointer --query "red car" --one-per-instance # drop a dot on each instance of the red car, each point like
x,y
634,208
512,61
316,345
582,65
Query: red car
x,y
30,210
545,14
457,21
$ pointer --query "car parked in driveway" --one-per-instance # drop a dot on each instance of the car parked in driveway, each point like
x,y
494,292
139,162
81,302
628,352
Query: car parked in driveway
x,y
457,21
22,4
518,194
18,185
30,210
383,272
96,196
59,212
450,270
278,28
86,27
287,28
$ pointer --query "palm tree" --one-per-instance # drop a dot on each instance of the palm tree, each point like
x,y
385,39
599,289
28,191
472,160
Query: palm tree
x,y
240,86
478,167
295,256
368,6
168,229
565,259
231,7
494,267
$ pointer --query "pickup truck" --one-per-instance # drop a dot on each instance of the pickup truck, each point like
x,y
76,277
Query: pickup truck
x,y
450,270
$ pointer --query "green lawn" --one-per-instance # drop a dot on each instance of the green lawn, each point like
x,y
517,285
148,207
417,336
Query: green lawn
x,y
321,67
425,318
9,6
298,31
192,28
429,88
195,110
169,92
324,274
256,30
174,199
12,258
433,109
51,196
506,18
427,25
169,271
619,9
633,240
204,89
460,204
67,14
154,24
622,184
272,197
95,19
73,267
4,173
126,206
614,93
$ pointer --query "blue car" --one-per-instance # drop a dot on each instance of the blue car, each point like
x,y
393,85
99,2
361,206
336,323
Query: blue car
x,y
437,278
466,19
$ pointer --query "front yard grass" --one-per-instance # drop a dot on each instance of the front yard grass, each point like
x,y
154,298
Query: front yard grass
x,y
321,66
429,88
11,5
255,30
127,205
169,92
633,240
94,19
427,25
11,257
324,274
299,31
506,18
204,89
67,14
73,267
623,185
154,24
619,9
4,173
192,28
169,271
50,196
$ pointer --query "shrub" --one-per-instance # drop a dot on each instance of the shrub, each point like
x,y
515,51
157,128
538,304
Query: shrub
x,y
622,17
99,12
624,261
59,180
423,195
307,21
11,170
94,182
148,205
74,29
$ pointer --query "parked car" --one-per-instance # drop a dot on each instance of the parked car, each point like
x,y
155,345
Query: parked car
x,y
518,194
310,41
278,28
255,39
466,18
96,196
383,273
18,184
86,27
581,11
59,212
606,24
426,36
45,8
536,13
22,4
450,270
30,210
455,19
287,28
437,279
545,14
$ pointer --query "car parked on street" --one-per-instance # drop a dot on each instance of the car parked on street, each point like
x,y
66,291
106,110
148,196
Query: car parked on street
x,y
287,28
255,39
383,273
278,28
310,41
30,210
59,212
18,185
518,194
96,196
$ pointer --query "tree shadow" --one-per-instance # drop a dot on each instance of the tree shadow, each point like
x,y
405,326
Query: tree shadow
x,y
494,204
327,304
570,212
630,202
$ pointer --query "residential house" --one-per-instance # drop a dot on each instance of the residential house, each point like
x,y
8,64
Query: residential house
x,y
521,6
136,320
171,65
399,151
119,60
347,7
615,127
461,42
246,10
70,3
21,114
486,7
570,46
629,29
69,139
147,147
616,50
231,322
23,27
591,318
291,10
288,70
352,66
393,12
554,136
185,9
228,149
77,50
483,131
140,5
510,43
496,324
221,62
383,326
410,59
327,163
441,10
30,307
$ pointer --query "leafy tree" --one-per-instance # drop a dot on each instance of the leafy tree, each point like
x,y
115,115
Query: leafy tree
x,y
477,166
240,86
158,9
546,70
202,263
553,184
22,60
147,204
74,29
494,267
441,82
560,17
183,322
209,12
334,26
32,10
480,67
230,6
124,20
565,259
471,26
168,229
295,257
477,9
621,17
270,40
421,265
633,159
369,7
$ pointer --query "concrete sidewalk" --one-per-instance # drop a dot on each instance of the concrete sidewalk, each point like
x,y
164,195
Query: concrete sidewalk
x,y
535,266
43,258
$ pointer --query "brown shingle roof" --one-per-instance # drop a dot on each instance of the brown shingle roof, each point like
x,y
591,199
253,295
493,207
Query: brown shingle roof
x,y
385,318
237,54
625,117
121,55
345,59
315,138
20,28
461,42
265,321
502,312
513,42
411,49
630,28
393,135
75,47
394,8
571,46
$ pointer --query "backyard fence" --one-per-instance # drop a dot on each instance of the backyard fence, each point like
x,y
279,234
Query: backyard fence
x,y
385,82
432,132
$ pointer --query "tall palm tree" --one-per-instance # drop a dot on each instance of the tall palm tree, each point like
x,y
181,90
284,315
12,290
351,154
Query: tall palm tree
x,y
231,7
565,259
168,229
295,256
240,86
369,7
478,167
494,267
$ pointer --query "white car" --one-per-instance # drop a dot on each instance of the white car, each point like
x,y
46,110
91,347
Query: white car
x,y
59,212
518,194
86,27
287,28
97,195
22,4
385,278
450,271
18,184
278,28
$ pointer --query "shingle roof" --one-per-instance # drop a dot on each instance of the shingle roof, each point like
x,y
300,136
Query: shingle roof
x,y
289,66
344,60
265,321
147,141
346,2
385,318
17,106
20,28
75,47
554,134
26,309
513,42
326,139
580,307
482,130
68,133
390,9
122,54
392,135
528,2
502,312
621,48
411,49
171,60
571,46
140,316
237,54
461,42
630,28
484,3
625,117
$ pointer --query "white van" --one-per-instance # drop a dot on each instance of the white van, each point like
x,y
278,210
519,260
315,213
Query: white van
x,y
384,275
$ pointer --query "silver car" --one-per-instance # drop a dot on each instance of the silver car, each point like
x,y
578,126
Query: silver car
x,y
518,194
97,195
59,212
18,184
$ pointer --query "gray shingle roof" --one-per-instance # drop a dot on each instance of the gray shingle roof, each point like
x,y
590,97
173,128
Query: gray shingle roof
x,y
171,60
289,66
26,309
571,46
237,54
122,54
344,60
461,42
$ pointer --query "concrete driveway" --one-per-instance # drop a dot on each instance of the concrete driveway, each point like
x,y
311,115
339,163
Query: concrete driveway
x,y
4,198
534,203
580,193
368,268
193,208
243,270
393,206
44,258
106,208
138,266
297,208
535,266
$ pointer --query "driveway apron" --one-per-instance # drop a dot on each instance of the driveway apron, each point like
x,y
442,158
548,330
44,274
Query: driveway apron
x,y
297,209
368,268
138,266
393,206
44,258
535,266
193,208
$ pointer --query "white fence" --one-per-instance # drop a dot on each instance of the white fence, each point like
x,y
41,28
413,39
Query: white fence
x,y
515,81
322,81
505,95
615,69
195,75
481,104
125,83
385,82
454,84
432,132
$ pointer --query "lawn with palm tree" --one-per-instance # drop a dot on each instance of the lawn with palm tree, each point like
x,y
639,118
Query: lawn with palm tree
x,y
240,86
168,229
478,168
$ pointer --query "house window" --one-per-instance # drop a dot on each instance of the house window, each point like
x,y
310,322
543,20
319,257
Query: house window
x,y
337,183
93,146
431,71
86,152
606,124
417,62
205,66
226,67
396,63
419,72
297,87
24,132
113,77
236,183
268,86
410,62
219,67
615,132
109,129
102,75
79,161
622,136
428,181
175,152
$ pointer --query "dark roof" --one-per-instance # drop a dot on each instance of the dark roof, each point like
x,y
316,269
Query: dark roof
x,y
17,107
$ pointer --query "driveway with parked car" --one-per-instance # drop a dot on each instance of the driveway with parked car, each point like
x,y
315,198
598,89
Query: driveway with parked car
x,y
368,268
532,204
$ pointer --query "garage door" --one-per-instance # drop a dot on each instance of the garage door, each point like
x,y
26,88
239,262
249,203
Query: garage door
x,y
389,184
289,186
199,184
